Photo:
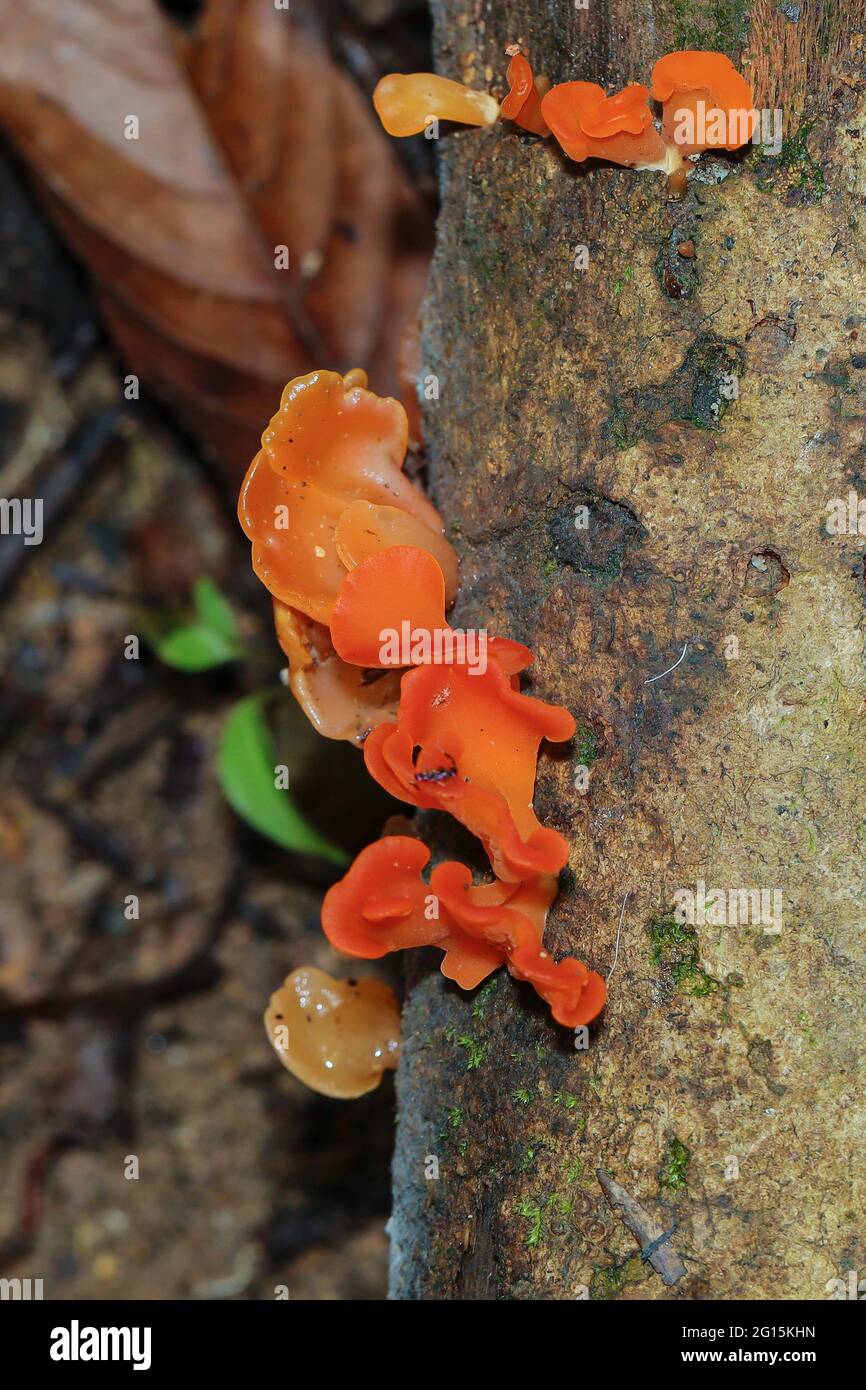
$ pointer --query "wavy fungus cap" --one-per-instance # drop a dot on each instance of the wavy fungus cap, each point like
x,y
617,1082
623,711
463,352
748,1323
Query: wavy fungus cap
x,y
383,905
468,744
619,128
523,103
706,103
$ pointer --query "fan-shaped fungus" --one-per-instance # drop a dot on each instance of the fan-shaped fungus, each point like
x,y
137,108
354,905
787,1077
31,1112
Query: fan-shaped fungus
x,y
468,744
523,103
706,103
589,124
406,103
337,1036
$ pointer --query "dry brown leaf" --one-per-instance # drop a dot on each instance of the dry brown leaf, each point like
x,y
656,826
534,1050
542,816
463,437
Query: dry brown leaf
x,y
248,139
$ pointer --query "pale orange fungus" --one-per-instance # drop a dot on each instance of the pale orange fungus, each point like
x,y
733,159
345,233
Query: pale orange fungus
x,y
337,1036
407,103
331,443
340,701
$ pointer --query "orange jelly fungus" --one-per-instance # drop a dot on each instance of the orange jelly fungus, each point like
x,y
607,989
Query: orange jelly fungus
x,y
468,744
706,103
384,905
523,103
399,586
620,128
406,103
339,700
331,443
337,1036
365,529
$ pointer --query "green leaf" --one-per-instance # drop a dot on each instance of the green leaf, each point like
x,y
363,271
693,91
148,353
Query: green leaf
x,y
213,609
195,648
211,640
246,760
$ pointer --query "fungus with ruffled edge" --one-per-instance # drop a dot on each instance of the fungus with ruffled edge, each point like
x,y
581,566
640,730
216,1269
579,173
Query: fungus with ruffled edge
x,y
406,103
331,443
337,1036
705,98
384,905
589,124
523,102
467,743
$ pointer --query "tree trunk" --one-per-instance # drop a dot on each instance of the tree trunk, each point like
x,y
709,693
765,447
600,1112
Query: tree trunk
x,y
705,410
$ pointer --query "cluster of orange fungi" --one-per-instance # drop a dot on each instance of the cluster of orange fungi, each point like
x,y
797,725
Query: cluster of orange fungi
x,y
350,550
706,104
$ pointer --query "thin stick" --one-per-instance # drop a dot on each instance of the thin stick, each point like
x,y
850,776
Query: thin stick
x,y
653,1240
618,935
670,668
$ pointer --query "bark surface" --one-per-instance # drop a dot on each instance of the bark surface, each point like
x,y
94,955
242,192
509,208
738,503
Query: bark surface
x,y
705,410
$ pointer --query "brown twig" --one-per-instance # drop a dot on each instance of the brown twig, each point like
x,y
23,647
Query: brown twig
x,y
653,1240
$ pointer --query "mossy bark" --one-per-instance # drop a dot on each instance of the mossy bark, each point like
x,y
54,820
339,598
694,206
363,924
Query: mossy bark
x,y
704,410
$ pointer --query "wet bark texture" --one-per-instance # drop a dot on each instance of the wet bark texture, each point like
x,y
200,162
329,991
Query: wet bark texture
x,y
704,409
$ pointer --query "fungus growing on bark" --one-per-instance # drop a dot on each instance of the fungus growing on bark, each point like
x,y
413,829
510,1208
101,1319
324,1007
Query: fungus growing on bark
x,y
406,103
340,700
332,443
384,905
589,124
706,103
390,609
337,1036
468,744
523,103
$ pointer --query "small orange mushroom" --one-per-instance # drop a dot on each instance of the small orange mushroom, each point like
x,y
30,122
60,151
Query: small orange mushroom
x,y
366,528
468,744
706,103
340,700
619,128
337,1036
383,904
390,608
523,103
406,103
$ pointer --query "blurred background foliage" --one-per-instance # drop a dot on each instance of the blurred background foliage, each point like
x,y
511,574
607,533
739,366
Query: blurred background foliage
x,y
156,885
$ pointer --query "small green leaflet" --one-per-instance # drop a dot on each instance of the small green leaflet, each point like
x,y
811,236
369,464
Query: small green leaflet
x,y
246,760
210,640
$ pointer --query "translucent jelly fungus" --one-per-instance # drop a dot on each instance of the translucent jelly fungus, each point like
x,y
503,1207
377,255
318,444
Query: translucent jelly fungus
x,y
337,1036
340,701
384,905
523,103
468,744
589,124
331,443
407,103
706,103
